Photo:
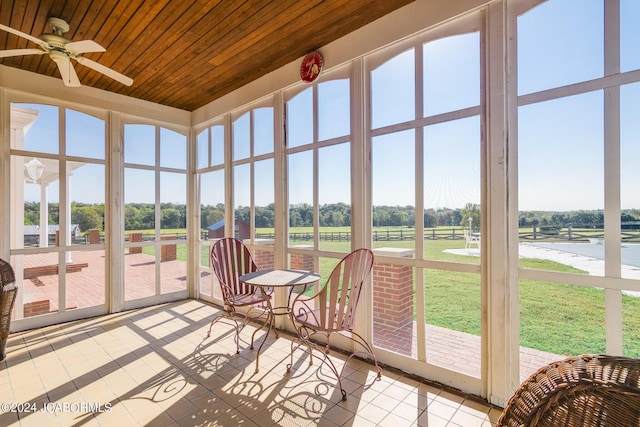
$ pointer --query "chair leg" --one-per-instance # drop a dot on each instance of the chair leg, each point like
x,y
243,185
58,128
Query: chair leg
x,y
236,326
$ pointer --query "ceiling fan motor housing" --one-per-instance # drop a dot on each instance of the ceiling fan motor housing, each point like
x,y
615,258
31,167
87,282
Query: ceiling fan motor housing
x,y
55,39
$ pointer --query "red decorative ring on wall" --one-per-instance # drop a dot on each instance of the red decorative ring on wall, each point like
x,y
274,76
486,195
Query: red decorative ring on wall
x,y
311,66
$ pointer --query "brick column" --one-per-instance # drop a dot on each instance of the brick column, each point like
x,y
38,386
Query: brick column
x,y
94,236
393,289
265,260
168,252
134,238
301,261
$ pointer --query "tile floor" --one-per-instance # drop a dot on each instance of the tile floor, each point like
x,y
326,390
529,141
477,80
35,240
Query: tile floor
x,y
152,367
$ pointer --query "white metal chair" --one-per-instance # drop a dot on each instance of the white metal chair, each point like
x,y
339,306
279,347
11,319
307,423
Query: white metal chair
x,y
470,240
333,310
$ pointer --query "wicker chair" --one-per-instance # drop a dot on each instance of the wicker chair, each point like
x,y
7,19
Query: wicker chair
x,y
584,391
8,291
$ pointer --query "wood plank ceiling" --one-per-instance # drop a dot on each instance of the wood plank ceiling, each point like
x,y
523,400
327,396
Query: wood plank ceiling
x,y
186,53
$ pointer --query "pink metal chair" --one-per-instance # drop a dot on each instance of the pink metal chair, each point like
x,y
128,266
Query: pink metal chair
x,y
231,259
333,310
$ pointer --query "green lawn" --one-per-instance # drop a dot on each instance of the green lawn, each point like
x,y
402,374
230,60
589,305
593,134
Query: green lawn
x,y
558,318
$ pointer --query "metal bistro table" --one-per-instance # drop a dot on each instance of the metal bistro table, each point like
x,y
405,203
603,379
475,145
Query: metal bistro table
x,y
266,279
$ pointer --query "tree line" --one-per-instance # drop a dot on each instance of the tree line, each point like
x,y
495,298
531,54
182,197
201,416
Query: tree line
x,y
141,216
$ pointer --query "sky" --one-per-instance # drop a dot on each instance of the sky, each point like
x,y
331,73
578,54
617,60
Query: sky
x,y
561,142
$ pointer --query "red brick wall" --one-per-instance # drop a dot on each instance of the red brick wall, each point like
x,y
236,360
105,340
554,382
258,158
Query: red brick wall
x,y
94,236
36,308
135,237
301,262
393,294
265,260
50,270
168,252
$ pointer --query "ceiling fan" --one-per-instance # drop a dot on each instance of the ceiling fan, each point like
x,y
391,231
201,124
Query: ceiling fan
x,y
61,51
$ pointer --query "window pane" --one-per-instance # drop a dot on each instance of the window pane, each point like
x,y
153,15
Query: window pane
x,y
40,287
264,194
211,223
561,175
560,43
242,201
87,196
173,202
140,273
85,282
394,308
139,200
212,202
35,127
301,198
451,73
394,190
453,325
631,324
217,145
452,194
334,197
300,119
629,35
241,137
85,135
629,178
173,266
334,109
40,200
263,130
393,91
559,320
202,143
173,149
140,144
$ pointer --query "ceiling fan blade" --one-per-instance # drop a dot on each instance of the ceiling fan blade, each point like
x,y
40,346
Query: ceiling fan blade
x,y
105,70
19,52
23,35
69,76
85,46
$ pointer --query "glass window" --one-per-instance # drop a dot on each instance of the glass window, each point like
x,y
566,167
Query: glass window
x,y
559,44
393,91
334,109
140,144
629,35
85,135
263,130
393,183
334,197
242,137
38,126
300,119
173,149
451,73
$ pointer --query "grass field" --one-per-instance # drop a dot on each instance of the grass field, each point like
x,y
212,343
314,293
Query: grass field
x,y
554,317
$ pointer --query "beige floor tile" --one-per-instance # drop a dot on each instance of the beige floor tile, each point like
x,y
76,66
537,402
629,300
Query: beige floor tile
x,y
157,369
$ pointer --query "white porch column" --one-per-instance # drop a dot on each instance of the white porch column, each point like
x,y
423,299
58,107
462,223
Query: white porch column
x,y
67,216
44,216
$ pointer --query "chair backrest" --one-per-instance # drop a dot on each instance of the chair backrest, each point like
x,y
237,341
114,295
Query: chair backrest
x,y
7,275
230,259
580,391
342,290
